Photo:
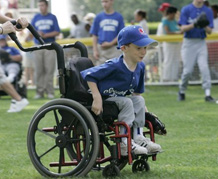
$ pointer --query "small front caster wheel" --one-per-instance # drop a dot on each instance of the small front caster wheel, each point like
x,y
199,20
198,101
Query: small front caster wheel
x,y
140,166
111,171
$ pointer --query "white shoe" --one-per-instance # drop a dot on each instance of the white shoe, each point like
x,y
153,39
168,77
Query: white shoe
x,y
50,96
135,148
148,144
17,106
38,96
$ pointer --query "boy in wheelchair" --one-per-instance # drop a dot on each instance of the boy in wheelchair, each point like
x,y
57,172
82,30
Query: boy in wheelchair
x,y
10,59
122,80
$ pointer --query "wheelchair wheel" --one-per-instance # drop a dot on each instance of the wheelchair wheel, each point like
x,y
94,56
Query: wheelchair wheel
x,y
111,171
140,166
122,163
63,139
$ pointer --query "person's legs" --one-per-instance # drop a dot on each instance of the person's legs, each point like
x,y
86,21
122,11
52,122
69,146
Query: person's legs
x,y
17,103
205,73
39,72
126,115
139,123
189,56
50,64
12,70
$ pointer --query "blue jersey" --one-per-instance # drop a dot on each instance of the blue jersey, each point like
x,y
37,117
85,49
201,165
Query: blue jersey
x,y
11,50
46,24
107,26
189,14
113,78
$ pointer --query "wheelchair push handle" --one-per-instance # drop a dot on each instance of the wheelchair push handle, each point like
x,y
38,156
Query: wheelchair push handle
x,y
30,28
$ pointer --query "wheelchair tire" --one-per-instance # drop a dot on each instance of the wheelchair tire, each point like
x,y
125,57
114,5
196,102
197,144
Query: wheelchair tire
x,y
88,159
111,171
122,163
140,166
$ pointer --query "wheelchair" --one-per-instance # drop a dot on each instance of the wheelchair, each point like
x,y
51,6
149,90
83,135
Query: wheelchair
x,y
66,139
19,86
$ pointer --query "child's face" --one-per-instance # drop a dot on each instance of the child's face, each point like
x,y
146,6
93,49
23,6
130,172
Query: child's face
x,y
134,53
171,15
137,17
106,4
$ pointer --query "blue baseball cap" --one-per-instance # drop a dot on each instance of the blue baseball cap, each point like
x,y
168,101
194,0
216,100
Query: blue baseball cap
x,y
136,35
3,37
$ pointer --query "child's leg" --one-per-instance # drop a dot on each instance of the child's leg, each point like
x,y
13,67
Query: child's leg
x,y
139,110
126,109
12,69
138,124
126,115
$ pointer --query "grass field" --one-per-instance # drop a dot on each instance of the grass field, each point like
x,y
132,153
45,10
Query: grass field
x,y
191,145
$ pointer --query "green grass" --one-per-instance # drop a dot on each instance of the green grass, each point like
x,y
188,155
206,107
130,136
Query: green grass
x,y
191,145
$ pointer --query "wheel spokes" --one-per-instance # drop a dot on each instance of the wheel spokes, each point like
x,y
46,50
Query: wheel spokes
x,y
49,150
61,159
57,122
46,133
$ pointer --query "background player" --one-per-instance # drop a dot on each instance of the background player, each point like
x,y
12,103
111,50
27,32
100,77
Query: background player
x,y
194,47
104,30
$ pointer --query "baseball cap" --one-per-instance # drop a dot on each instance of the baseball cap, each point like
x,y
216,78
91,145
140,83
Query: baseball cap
x,y
164,6
3,37
134,34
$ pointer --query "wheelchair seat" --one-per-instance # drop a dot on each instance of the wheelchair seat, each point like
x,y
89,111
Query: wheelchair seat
x,y
78,90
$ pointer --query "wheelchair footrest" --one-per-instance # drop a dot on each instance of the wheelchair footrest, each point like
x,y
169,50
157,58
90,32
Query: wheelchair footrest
x,y
64,164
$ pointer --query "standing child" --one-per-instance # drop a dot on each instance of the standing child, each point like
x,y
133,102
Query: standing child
x,y
104,30
171,49
196,22
122,80
140,17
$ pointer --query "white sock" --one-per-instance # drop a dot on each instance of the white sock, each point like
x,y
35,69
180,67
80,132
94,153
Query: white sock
x,y
123,131
137,131
207,92
182,92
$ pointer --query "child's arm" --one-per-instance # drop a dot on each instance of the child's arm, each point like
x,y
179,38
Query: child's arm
x,y
97,100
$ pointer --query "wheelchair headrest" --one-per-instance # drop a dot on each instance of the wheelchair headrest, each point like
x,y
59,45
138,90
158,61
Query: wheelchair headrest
x,y
77,87
81,63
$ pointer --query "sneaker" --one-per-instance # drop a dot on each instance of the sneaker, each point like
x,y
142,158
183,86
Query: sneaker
x,y
17,106
210,99
38,96
136,149
50,96
181,96
148,144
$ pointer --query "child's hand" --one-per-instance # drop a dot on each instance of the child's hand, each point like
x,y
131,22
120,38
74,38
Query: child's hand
x,y
96,54
97,105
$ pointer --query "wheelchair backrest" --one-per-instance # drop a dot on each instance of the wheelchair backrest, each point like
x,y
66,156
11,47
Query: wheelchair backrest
x,y
76,87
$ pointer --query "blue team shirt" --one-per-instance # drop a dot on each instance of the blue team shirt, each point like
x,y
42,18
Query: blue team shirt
x,y
189,13
46,24
107,26
11,50
113,78
171,24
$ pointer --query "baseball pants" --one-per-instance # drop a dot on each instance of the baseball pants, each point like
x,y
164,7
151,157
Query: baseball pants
x,y
107,53
44,65
132,110
195,51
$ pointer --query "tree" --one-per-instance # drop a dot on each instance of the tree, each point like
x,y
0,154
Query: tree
x,y
127,7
